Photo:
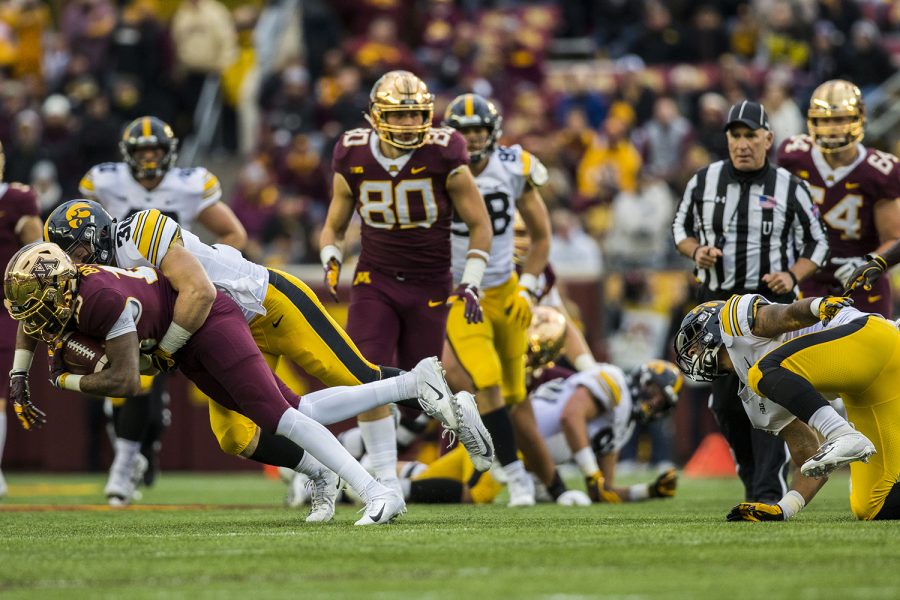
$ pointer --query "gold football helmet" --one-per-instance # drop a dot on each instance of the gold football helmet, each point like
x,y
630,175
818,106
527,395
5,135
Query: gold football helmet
x,y
546,337
836,116
400,91
521,239
39,284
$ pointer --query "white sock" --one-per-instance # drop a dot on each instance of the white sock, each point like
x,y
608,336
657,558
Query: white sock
x,y
309,466
515,469
380,438
322,445
335,404
829,423
405,487
2,433
123,461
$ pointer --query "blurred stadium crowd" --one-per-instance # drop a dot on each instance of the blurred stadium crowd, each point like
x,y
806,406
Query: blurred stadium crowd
x,y
622,100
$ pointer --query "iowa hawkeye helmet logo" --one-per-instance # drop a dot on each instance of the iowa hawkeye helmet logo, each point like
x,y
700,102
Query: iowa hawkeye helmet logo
x,y
78,214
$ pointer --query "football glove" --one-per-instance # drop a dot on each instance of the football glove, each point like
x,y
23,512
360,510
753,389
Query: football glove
x,y
865,274
665,485
333,277
847,267
162,361
573,498
831,306
29,415
597,492
519,306
469,294
756,511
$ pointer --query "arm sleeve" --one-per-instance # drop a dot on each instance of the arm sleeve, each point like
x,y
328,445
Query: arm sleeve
x,y
809,232
124,324
684,226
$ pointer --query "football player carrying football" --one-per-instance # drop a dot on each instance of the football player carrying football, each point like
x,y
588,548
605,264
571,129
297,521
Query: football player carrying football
x,y
404,179
787,357
285,317
856,189
19,224
487,356
133,309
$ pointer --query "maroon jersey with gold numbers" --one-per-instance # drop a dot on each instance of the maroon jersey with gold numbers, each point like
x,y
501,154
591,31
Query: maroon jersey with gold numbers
x,y
403,202
846,196
16,201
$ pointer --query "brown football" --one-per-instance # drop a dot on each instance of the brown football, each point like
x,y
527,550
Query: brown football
x,y
83,354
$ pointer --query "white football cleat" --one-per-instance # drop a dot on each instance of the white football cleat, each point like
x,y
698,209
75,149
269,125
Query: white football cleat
x,y
382,507
521,491
473,435
433,393
573,498
323,493
838,452
297,494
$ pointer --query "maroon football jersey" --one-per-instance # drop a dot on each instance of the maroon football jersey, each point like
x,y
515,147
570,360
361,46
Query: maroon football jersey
x,y
16,201
846,197
404,207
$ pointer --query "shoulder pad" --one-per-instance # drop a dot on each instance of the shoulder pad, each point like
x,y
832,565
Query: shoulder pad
x,y
522,163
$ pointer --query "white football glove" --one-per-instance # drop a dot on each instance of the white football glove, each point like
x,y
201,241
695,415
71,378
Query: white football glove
x,y
573,498
847,266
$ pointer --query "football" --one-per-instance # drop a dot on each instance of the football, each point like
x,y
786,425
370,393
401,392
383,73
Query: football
x,y
83,354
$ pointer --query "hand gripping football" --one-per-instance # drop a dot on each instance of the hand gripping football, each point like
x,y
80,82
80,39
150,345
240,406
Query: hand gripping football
x,y
83,354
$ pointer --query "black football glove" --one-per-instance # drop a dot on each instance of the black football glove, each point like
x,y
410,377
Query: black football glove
x,y
831,306
665,485
29,415
756,511
469,294
332,277
866,274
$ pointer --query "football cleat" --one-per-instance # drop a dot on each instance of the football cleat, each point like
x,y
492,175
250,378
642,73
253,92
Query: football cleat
x,y
297,494
834,454
521,491
382,506
473,435
434,395
323,493
573,498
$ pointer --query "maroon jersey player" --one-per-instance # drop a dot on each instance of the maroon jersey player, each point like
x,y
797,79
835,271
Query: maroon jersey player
x,y
133,308
856,189
405,180
19,224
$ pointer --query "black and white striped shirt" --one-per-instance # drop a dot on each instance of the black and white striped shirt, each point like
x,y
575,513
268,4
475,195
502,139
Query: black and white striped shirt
x,y
762,224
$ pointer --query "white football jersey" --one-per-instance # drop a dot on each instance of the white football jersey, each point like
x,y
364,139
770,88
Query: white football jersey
x,y
501,185
181,195
745,349
144,238
608,385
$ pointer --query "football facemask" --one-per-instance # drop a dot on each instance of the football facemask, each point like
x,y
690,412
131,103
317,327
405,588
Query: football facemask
x,y
836,116
698,342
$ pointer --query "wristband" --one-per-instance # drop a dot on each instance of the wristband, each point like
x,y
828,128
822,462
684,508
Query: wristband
x,y
22,360
791,504
793,277
176,337
584,362
330,251
68,381
586,461
529,282
814,307
694,253
474,270
639,491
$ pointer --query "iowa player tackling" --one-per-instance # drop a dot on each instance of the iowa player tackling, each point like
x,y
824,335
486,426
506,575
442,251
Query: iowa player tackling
x,y
856,189
488,356
404,179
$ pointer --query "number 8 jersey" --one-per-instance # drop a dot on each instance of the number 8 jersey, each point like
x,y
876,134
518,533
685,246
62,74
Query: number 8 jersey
x,y
403,202
501,184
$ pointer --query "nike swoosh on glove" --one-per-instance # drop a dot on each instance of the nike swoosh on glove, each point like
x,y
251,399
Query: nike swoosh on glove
x,y
756,511
469,294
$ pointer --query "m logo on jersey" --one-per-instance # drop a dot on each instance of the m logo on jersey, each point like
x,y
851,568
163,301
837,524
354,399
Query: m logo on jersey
x,y
77,214
43,268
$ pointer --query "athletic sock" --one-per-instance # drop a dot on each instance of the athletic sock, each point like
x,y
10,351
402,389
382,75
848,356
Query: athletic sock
x,y
319,442
830,423
515,470
500,427
380,439
123,461
277,451
335,404
556,488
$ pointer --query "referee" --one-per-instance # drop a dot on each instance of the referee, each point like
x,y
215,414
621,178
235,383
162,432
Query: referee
x,y
749,227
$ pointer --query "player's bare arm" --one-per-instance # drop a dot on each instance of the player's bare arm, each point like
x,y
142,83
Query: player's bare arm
x,y
469,205
221,221
887,223
122,377
537,220
29,229
196,292
331,239
774,319
580,409
802,443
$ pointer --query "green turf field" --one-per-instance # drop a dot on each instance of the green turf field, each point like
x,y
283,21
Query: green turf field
x,y
227,536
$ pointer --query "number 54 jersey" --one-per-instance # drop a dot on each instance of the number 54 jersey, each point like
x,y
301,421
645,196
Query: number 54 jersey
x,y
501,184
403,202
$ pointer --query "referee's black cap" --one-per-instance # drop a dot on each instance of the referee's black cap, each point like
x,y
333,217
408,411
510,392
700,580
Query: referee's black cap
x,y
751,114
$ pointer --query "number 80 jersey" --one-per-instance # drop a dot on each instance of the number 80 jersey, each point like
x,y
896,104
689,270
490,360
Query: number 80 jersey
x,y
403,202
501,184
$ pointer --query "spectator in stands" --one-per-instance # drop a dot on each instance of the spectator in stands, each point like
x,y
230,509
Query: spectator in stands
x,y
784,114
59,142
663,140
571,248
711,110
86,26
786,39
581,94
286,100
100,132
45,184
25,149
610,152
638,237
863,61
633,88
707,38
661,41
380,50
301,174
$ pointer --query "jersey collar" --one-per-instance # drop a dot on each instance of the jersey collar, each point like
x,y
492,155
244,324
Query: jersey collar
x,y
831,176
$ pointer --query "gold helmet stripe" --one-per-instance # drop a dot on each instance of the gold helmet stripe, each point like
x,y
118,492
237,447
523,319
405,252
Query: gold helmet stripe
x,y
146,128
470,105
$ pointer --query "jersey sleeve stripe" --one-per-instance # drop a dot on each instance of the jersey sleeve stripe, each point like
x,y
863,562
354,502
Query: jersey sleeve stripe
x,y
734,315
149,232
137,230
157,237
211,182
613,387
86,184
526,163
726,317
